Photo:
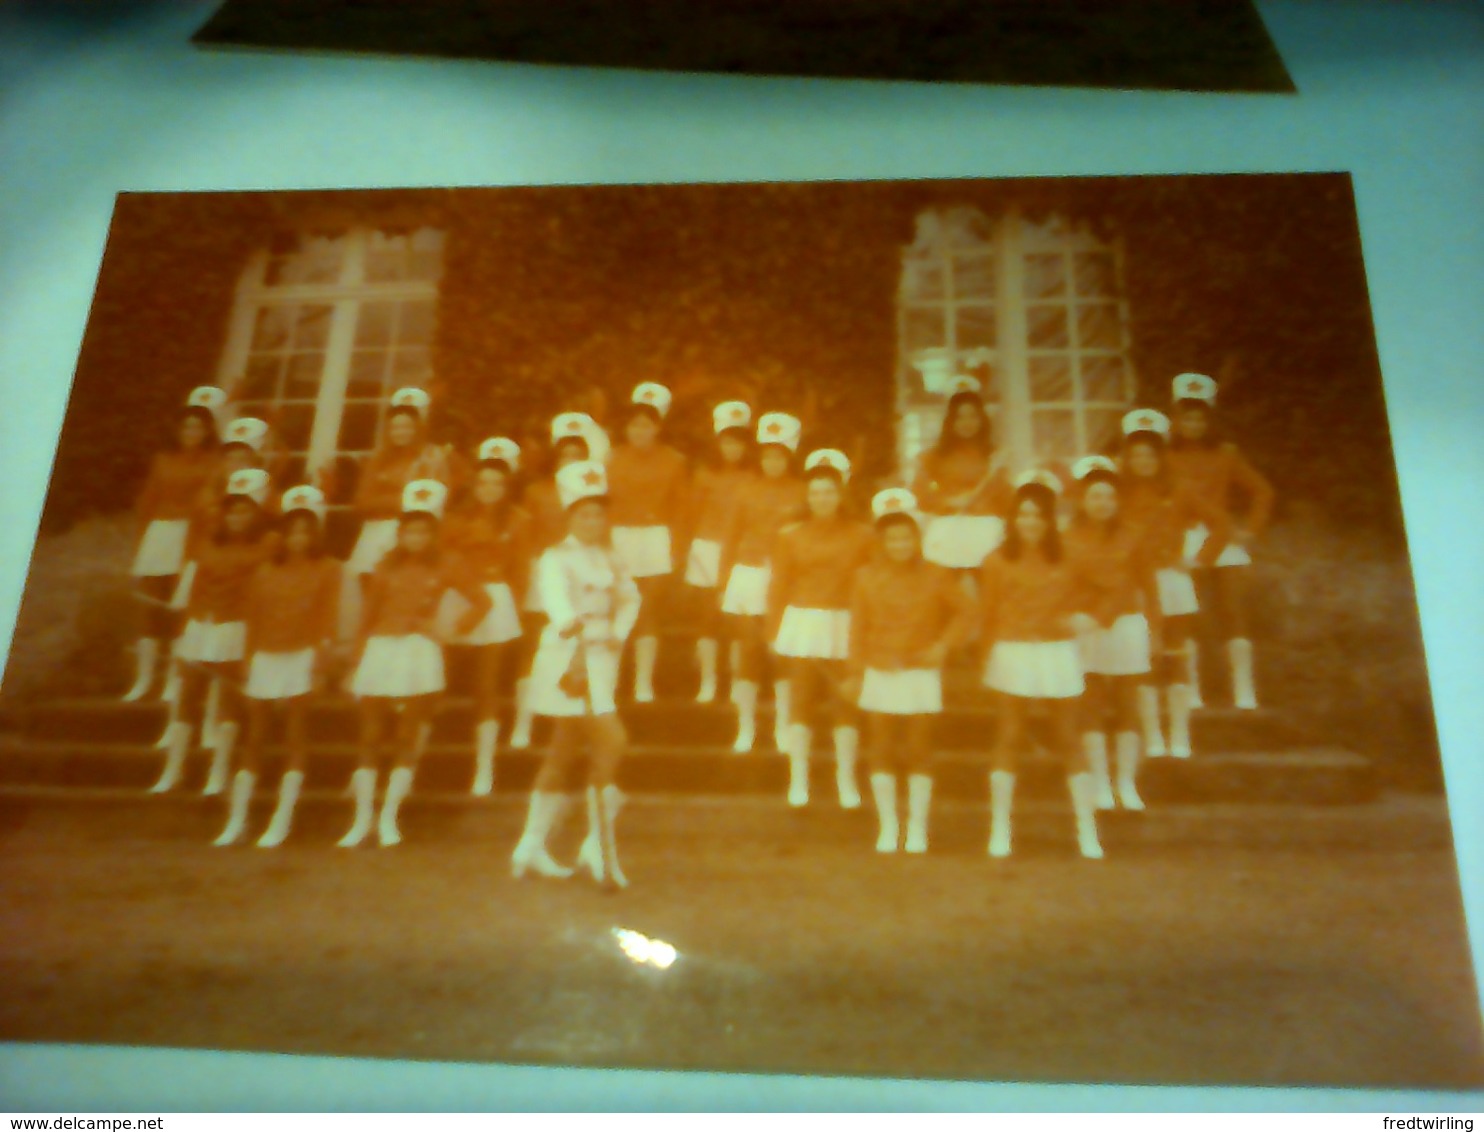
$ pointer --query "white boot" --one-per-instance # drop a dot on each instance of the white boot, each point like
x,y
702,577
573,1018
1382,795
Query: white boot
x,y
177,746
1244,692
398,786
1085,807
797,746
1095,743
734,659
486,739
847,745
782,721
363,789
599,851
170,690
1126,745
1001,799
170,695
646,649
530,852
146,658
1154,738
283,815
744,695
919,799
520,734
209,717
1193,672
1179,701
221,758
242,784
884,790
706,652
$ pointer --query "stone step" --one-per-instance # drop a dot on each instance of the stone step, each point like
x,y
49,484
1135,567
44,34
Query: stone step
x,y
1323,776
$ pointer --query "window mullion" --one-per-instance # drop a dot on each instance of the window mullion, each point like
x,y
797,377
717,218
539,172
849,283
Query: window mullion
x,y
330,406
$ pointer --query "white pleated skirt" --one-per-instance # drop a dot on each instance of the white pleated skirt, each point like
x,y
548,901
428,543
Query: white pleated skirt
x,y
910,691
1122,649
816,634
1176,593
962,542
207,642
746,594
500,624
1037,670
162,547
644,550
376,538
553,656
280,675
703,564
398,667
1232,554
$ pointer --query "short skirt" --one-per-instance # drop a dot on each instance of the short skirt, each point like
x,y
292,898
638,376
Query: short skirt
x,y
162,548
553,657
1122,649
644,550
1037,670
209,642
962,542
1176,593
410,665
376,538
909,691
280,675
1232,554
703,565
818,634
746,594
500,624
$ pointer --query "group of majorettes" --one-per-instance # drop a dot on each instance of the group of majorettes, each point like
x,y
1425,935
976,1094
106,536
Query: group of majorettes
x,y
1075,592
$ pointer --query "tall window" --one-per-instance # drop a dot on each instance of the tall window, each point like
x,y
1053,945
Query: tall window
x,y
323,330
1034,311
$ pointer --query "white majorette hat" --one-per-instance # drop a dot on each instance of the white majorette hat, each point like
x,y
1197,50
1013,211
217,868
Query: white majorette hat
x,y
779,428
247,430
427,496
251,482
1038,476
304,498
894,501
731,414
963,383
1146,420
500,448
829,458
207,397
1089,464
586,479
411,397
1194,387
585,429
653,394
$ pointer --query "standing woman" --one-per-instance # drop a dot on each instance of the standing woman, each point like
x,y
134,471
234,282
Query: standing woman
x,y
1029,599
406,454
717,489
1210,468
574,437
292,614
165,508
493,537
1119,600
766,504
591,605
648,484
213,643
961,486
1162,511
401,661
906,613
243,441
813,576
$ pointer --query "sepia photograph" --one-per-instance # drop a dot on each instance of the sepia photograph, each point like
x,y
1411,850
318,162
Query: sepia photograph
x,y
955,629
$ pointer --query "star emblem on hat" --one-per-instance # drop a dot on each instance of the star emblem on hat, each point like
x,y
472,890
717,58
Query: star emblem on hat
x,y
774,428
422,495
592,478
736,415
